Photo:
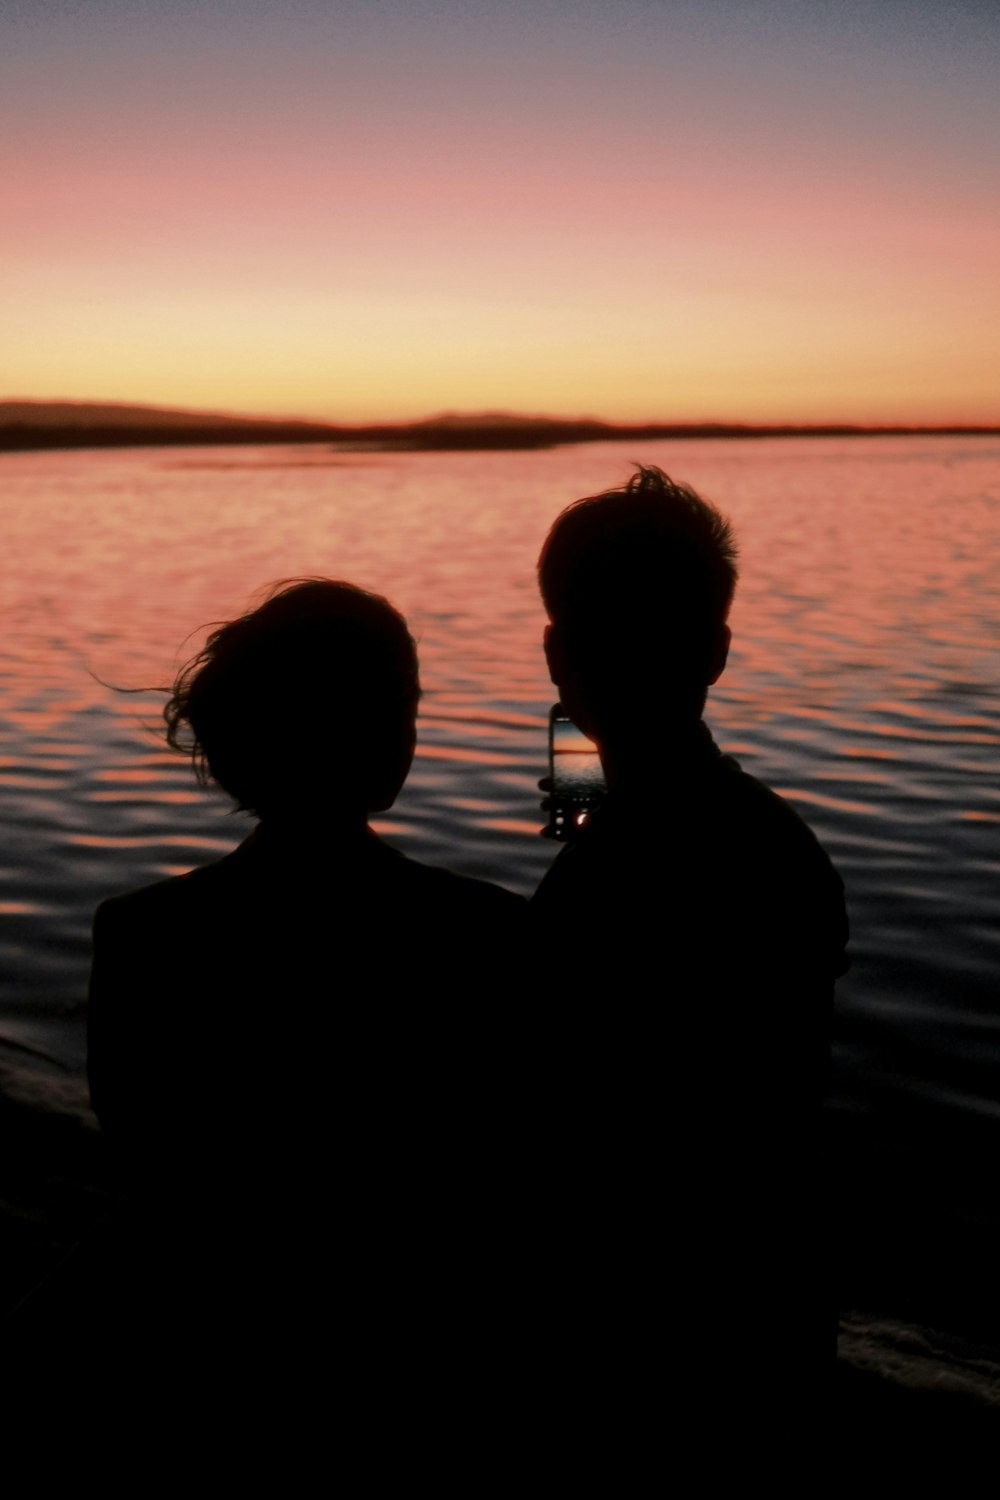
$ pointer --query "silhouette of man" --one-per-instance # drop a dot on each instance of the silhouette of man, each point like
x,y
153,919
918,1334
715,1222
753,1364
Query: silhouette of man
x,y
694,931
298,1048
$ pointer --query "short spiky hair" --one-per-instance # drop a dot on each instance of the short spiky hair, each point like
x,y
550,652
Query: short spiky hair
x,y
654,547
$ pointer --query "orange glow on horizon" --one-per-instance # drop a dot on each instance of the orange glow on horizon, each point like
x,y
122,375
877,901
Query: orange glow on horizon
x,y
381,220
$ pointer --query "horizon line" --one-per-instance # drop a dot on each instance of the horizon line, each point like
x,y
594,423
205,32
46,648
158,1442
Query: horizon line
x,y
484,418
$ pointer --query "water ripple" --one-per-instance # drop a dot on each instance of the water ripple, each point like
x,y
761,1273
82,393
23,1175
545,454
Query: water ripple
x,y
863,683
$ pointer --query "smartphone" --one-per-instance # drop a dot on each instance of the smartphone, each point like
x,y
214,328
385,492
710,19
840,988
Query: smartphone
x,y
576,776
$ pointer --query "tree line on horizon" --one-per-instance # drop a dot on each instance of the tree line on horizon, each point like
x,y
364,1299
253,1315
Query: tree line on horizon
x,y
26,425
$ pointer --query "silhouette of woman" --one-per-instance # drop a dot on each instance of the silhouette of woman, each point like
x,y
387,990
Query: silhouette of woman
x,y
295,1048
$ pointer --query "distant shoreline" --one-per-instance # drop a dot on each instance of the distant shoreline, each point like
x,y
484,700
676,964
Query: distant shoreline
x,y
16,437
27,425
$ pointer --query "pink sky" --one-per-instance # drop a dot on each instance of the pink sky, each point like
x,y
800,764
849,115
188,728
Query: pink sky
x,y
366,211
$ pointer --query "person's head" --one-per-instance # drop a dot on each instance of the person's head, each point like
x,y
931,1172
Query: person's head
x,y
637,583
305,705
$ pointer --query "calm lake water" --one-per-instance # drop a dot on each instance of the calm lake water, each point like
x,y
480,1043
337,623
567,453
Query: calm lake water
x,y
862,685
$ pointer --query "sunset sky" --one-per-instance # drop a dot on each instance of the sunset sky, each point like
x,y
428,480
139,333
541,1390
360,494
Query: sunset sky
x,y
760,210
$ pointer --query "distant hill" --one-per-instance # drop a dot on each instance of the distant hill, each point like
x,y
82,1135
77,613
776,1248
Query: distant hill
x,y
499,419
109,414
112,424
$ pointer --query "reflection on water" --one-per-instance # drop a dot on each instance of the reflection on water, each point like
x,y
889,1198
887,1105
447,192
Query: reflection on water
x,y
862,684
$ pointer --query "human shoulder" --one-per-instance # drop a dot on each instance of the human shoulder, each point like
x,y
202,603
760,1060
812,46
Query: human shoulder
x,y
258,874
719,828
161,898
780,870
210,905
766,820
436,882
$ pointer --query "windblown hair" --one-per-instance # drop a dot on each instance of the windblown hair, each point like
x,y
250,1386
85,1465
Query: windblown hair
x,y
310,697
654,545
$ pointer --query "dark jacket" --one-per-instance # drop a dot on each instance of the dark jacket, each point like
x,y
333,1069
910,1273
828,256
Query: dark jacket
x,y
693,934
297,979
300,1050
703,905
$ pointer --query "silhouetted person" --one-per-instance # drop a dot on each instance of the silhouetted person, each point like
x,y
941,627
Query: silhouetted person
x,y
300,1048
694,931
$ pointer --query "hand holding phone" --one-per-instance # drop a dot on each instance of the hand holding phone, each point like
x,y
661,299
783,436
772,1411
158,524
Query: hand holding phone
x,y
575,776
